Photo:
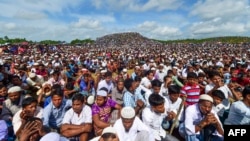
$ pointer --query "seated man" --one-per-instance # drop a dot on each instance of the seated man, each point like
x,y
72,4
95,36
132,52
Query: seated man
x,y
55,111
201,121
13,104
101,111
131,98
130,128
77,122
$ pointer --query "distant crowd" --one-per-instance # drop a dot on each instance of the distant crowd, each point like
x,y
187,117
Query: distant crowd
x,y
123,89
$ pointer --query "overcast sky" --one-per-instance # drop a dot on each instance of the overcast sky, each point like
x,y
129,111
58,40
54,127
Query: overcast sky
x,y
159,19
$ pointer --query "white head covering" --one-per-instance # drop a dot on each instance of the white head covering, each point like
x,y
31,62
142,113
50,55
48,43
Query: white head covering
x,y
128,112
32,75
109,130
14,89
102,93
206,97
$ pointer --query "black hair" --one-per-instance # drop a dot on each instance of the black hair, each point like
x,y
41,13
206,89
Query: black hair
x,y
2,86
56,90
107,136
213,74
201,74
165,77
174,89
246,91
156,83
104,89
137,78
78,97
108,73
27,101
218,93
156,100
192,75
128,83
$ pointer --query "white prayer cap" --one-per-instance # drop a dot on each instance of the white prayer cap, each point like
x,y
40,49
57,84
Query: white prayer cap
x,y
124,70
14,89
206,97
161,65
36,64
153,68
56,56
128,112
109,130
102,93
103,71
32,75
91,100
52,136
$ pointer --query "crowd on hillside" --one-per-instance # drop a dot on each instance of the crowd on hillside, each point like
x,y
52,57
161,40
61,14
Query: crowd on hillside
x,y
144,92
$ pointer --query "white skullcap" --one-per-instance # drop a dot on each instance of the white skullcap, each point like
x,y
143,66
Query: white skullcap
x,y
102,93
56,56
124,70
206,97
36,64
153,68
52,136
103,71
128,112
91,100
32,75
14,89
109,130
161,65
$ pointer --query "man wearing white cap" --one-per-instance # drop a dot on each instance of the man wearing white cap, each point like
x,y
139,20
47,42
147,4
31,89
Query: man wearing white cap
x,y
108,134
130,128
13,104
201,122
35,80
101,111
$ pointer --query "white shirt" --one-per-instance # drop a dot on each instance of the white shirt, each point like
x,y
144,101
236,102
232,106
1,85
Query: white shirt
x,y
153,121
103,83
17,122
175,106
220,109
39,79
193,117
227,92
138,125
145,82
71,117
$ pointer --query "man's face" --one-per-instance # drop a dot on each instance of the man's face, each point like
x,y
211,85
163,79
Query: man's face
x,y
3,91
216,80
156,89
173,97
57,101
205,107
127,123
77,106
14,97
159,108
120,85
100,100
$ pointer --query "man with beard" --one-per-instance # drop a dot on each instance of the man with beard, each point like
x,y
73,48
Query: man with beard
x,y
13,104
130,128
201,122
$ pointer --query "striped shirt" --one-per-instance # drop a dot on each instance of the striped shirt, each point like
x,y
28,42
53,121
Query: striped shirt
x,y
192,93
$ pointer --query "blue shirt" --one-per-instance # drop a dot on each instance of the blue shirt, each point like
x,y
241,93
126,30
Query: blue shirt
x,y
129,99
239,114
52,116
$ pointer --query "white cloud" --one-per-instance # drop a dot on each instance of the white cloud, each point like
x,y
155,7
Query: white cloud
x,y
29,15
85,23
137,5
155,30
225,9
9,26
217,28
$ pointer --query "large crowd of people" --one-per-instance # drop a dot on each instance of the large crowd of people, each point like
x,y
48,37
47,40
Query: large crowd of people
x,y
124,88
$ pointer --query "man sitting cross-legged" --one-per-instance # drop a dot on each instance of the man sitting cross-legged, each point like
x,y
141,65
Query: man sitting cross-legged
x,y
77,122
